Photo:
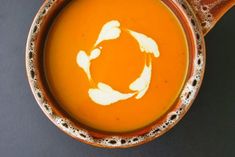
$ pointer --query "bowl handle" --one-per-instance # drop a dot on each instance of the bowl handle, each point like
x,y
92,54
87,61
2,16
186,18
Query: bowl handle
x,y
210,11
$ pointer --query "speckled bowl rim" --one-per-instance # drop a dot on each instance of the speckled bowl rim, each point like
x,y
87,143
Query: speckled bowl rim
x,y
172,117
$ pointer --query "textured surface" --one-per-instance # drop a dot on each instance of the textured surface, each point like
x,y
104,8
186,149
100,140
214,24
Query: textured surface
x,y
184,102
207,129
210,11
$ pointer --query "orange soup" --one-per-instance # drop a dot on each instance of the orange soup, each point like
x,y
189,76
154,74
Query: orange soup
x,y
116,66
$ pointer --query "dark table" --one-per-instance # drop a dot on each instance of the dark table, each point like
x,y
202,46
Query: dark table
x,y
208,129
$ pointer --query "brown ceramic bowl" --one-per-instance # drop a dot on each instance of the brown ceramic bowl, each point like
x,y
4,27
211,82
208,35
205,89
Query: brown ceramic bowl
x,y
197,18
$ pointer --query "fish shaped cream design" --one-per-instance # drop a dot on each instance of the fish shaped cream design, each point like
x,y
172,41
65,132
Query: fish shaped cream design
x,y
103,94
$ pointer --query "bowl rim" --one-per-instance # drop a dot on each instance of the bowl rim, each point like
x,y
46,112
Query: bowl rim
x,y
78,132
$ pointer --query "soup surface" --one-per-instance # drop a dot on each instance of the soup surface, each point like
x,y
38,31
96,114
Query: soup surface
x,y
116,66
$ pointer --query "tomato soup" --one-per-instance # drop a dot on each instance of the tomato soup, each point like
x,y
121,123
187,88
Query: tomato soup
x,y
116,66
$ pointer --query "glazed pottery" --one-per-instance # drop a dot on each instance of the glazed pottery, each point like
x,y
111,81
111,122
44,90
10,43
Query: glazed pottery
x,y
197,18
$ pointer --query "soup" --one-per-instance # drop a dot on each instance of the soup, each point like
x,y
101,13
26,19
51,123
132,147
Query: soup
x,y
116,66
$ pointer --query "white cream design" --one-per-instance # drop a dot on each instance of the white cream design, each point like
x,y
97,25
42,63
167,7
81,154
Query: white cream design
x,y
146,44
104,94
84,61
109,31
95,53
142,83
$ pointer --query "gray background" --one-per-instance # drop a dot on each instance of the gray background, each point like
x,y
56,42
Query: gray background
x,y
208,130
